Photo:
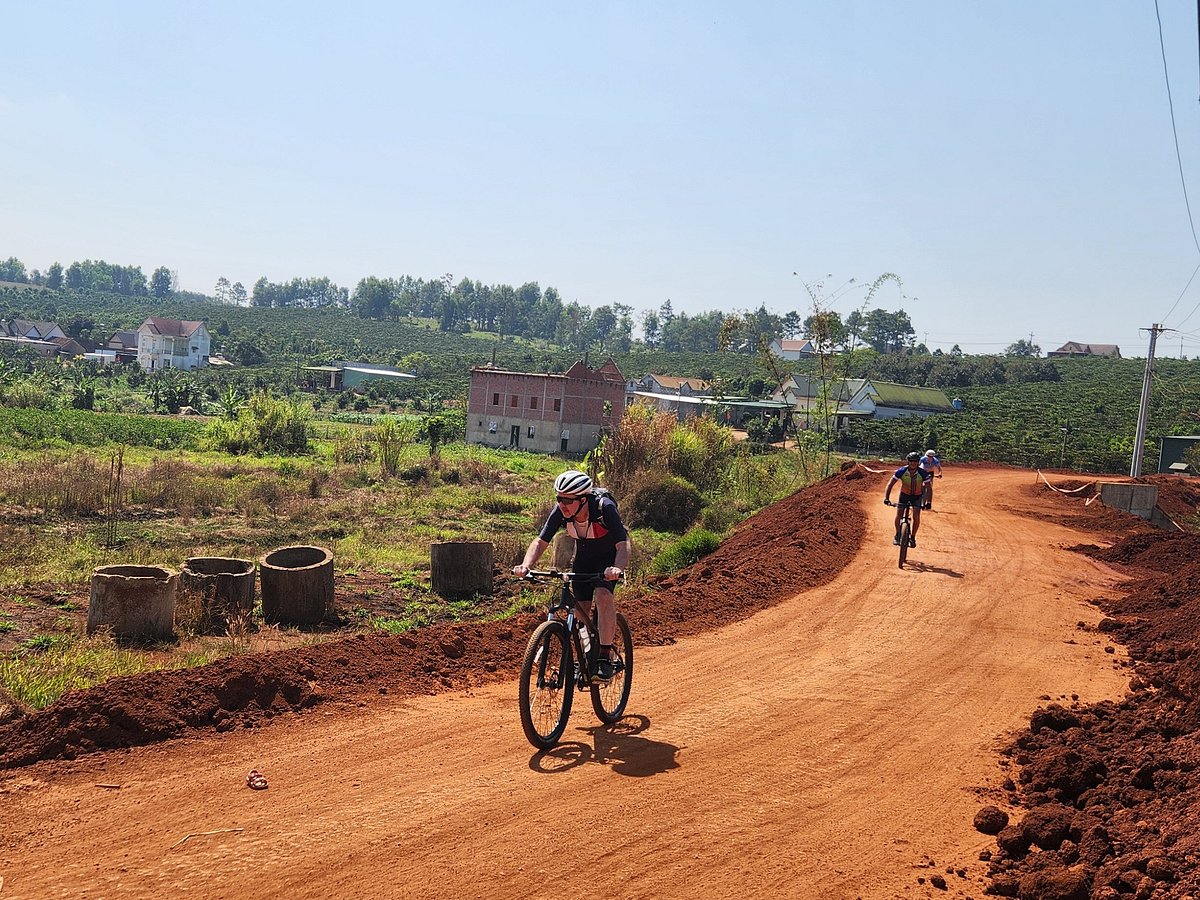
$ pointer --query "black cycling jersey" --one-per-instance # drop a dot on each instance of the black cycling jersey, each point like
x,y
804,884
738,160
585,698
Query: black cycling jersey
x,y
596,541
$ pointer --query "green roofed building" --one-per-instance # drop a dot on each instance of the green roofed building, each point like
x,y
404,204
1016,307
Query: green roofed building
x,y
840,400
887,400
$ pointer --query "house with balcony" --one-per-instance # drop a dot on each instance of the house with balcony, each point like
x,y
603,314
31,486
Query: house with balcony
x,y
172,344
545,413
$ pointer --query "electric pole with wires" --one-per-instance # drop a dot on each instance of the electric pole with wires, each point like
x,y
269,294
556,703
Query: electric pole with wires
x,y
1139,437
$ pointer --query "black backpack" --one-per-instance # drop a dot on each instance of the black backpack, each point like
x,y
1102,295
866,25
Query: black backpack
x,y
602,493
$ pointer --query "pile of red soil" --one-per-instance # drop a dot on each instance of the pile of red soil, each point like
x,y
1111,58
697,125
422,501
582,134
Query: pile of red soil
x,y
1178,496
802,541
1113,789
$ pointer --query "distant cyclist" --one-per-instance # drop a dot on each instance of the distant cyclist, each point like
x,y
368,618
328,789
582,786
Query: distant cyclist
x,y
601,548
912,485
929,462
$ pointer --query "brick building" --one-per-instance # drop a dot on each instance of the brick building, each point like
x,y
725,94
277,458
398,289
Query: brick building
x,y
545,413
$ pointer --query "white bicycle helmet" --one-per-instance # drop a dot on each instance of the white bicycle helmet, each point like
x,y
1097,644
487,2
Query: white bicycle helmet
x,y
930,454
572,483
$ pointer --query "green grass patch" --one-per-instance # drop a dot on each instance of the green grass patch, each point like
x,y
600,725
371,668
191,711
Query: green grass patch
x,y
48,666
689,549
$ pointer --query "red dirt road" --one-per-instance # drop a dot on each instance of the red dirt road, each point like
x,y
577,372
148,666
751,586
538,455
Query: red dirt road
x,y
837,744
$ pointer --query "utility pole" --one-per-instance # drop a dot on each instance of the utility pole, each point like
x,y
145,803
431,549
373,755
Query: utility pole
x,y
1139,436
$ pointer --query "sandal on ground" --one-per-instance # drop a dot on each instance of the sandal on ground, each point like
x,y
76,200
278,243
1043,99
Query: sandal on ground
x,y
256,780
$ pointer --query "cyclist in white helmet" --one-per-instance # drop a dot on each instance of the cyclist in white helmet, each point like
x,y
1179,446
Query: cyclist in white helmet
x,y
602,546
929,462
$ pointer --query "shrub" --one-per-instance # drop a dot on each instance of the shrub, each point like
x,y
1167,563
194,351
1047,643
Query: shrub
x,y
266,425
353,449
415,473
392,436
720,517
692,547
663,502
28,394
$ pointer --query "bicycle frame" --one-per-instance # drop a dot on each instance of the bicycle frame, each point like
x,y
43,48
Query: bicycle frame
x,y
905,531
562,607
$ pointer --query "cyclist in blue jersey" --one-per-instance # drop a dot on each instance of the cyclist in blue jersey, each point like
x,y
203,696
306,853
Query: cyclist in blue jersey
x,y
602,546
912,486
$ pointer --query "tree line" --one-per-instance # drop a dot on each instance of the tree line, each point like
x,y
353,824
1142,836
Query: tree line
x,y
468,305
528,311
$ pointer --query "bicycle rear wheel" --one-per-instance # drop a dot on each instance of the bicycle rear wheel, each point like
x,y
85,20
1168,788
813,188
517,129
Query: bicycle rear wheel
x,y
905,535
547,685
609,697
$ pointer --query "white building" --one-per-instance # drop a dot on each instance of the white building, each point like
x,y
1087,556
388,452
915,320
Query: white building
x,y
789,349
172,344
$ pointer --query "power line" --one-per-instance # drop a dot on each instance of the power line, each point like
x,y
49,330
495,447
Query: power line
x,y
1184,291
1175,133
1178,156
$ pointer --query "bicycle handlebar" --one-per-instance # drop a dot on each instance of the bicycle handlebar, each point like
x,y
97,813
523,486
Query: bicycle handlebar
x,y
547,574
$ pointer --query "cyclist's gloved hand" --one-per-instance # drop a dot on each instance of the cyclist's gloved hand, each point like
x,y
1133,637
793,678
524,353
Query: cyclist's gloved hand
x,y
887,502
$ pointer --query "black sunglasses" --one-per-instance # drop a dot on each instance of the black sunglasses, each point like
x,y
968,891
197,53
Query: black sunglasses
x,y
561,499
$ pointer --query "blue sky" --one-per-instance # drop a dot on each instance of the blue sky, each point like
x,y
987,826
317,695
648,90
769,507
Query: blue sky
x,y
1012,163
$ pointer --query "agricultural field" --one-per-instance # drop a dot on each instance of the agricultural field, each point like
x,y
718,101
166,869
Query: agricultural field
x,y
100,468
376,496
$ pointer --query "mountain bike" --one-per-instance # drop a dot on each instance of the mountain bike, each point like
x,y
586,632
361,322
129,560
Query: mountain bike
x,y
558,661
927,493
905,529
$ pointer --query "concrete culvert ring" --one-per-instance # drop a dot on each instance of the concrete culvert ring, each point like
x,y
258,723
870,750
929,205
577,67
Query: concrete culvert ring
x,y
297,585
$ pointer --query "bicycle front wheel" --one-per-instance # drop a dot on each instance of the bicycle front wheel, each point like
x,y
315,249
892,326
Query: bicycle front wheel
x,y
547,685
905,534
609,697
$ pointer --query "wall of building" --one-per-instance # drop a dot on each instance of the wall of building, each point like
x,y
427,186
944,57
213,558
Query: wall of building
x,y
545,410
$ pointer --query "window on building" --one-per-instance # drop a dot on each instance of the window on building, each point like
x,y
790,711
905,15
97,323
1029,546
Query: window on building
x,y
512,401
557,405
531,431
495,399
533,402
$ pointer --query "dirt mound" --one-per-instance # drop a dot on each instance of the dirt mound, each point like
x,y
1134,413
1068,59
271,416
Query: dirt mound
x,y
1122,779
1178,496
801,541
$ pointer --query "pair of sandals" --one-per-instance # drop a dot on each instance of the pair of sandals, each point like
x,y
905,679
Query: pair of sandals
x,y
256,780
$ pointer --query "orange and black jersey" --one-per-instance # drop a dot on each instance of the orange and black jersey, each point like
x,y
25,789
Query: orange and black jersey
x,y
912,482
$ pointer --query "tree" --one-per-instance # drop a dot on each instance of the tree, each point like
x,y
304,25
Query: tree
x,y
604,320
888,332
221,291
54,276
792,325
1023,348
230,402
650,328
12,269
160,282
826,330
